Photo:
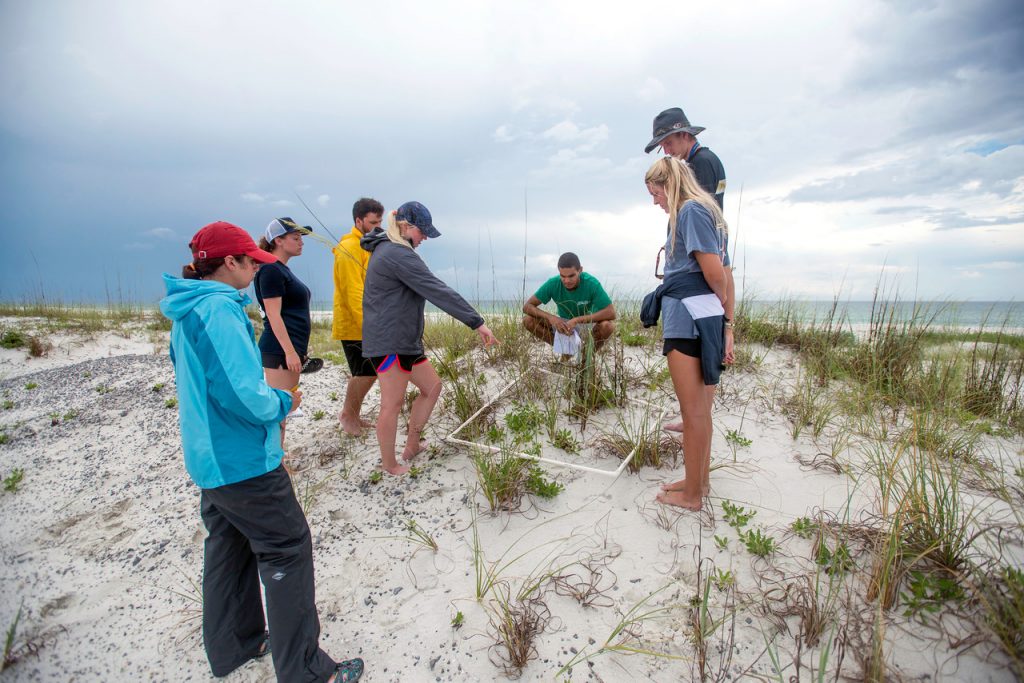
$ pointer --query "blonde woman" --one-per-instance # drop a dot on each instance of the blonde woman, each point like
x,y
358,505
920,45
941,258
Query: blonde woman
x,y
697,310
398,285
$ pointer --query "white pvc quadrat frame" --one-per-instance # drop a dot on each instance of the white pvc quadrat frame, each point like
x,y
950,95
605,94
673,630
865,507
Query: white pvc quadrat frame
x,y
537,458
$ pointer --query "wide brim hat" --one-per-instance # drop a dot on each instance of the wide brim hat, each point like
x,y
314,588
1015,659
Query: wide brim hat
x,y
669,122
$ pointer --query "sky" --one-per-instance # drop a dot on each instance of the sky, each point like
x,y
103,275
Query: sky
x,y
864,142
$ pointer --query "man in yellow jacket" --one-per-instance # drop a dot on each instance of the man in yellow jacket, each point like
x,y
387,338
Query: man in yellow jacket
x,y
350,262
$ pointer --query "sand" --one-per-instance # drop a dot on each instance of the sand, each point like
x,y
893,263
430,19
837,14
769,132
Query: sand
x,y
102,541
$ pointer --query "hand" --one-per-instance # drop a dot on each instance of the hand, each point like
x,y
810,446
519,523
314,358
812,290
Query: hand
x,y
570,325
292,361
486,336
559,324
296,399
730,355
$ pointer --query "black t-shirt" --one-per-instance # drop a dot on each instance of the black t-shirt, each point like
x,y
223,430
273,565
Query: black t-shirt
x,y
710,173
277,280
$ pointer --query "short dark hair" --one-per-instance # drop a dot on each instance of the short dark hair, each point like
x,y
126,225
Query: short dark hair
x,y
569,260
365,206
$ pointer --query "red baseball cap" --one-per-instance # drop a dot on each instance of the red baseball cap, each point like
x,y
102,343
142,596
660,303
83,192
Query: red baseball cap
x,y
221,239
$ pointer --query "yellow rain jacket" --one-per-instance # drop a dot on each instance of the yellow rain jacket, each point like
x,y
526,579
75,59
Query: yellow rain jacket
x,y
350,262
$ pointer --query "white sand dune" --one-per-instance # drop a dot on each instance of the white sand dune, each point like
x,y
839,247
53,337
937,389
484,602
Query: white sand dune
x,y
102,541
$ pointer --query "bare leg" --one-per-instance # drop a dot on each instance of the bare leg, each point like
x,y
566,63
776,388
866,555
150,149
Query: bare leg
x,y
602,332
393,383
281,378
709,394
674,427
426,380
689,386
541,329
355,393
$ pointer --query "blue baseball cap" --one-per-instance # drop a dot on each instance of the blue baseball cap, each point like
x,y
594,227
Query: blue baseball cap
x,y
418,215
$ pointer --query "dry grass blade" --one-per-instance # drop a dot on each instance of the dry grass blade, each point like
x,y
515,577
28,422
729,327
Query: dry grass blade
x,y
590,585
516,623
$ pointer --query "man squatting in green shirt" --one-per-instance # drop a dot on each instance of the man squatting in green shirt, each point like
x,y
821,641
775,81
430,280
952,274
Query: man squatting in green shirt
x,y
580,299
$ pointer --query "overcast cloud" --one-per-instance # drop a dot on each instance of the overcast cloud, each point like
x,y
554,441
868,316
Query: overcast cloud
x,y
862,136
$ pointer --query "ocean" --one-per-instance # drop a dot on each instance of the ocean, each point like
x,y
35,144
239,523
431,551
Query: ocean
x,y
960,315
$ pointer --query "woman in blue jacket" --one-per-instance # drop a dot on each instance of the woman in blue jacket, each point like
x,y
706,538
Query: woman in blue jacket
x,y
230,436
697,327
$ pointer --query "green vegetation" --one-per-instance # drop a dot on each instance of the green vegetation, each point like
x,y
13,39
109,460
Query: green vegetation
x,y
12,480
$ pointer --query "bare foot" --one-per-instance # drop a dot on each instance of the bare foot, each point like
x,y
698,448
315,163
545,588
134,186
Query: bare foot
x,y
367,423
351,425
396,468
679,500
674,427
678,486
420,446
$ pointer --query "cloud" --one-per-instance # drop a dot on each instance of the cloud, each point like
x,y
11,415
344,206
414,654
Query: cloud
x,y
651,90
323,199
162,233
264,199
567,132
503,134
950,218
920,172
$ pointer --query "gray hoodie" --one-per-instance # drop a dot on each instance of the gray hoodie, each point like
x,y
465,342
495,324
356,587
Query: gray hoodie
x,y
398,285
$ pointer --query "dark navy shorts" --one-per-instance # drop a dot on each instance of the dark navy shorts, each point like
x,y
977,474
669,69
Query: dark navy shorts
x,y
687,347
357,365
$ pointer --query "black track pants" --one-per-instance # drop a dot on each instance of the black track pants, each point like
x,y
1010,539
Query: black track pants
x,y
254,526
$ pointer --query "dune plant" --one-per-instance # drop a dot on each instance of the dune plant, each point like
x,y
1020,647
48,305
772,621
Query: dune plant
x,y
624,637
653,448
994,379
463,395
14,479
416,534
516,622
9,657
1000,595
502,478
564,439
539,485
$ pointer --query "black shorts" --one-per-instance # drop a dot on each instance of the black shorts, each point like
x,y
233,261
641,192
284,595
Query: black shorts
x,y
404,360
357,365
687,347
275,361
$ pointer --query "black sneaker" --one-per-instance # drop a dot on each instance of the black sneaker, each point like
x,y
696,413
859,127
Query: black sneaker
x,y
312,365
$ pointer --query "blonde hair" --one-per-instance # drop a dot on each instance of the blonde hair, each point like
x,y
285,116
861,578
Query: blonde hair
x,y
680,187
394,231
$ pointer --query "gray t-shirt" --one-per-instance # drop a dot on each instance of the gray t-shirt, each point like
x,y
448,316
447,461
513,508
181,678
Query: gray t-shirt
x,y
695,231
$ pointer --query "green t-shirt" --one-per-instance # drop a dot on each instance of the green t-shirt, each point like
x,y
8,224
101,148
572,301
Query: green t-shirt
x,y
588,297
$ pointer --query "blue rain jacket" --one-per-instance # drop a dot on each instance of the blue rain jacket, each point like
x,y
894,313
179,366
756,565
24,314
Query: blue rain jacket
x,y
230,417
